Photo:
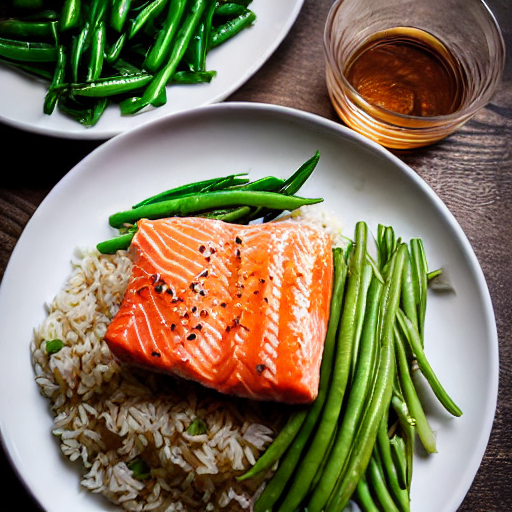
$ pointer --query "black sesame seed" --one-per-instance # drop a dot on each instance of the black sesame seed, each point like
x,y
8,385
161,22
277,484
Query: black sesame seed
x,y
256,292
159,288
194,309
203,313
202,293
202,248
198,327
260,368
265,299
155,354
169,291
238,240
223,304
191,337
228,328
173,326
204,273
262,280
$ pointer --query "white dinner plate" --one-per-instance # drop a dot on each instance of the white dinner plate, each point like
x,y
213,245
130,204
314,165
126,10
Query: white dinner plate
x,y
358,180
22,97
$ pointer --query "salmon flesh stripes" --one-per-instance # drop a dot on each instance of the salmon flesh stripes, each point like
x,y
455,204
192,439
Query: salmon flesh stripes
x,y
240,309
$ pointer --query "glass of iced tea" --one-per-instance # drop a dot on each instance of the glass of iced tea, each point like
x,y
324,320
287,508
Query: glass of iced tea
x,y
407,73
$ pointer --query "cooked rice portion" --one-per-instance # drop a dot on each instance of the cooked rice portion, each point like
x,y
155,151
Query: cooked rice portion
x,y
129,427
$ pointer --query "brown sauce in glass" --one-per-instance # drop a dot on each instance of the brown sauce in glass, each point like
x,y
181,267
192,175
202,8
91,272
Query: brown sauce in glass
x,y
408,71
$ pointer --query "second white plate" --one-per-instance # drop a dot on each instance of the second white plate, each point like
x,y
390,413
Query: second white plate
x,y
21,97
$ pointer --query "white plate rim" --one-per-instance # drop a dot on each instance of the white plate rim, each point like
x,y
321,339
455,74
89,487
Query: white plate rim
x,y
311,119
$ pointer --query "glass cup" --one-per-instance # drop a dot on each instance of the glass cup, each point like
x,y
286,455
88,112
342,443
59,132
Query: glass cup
x,y
458,34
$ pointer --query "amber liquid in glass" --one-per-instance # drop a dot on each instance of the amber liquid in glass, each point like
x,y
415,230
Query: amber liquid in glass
x,y
408,71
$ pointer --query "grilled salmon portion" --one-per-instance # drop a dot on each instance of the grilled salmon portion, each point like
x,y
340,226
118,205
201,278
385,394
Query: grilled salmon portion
x,y
240,309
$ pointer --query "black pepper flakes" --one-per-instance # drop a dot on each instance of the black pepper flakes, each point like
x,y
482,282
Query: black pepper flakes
x,y
260,368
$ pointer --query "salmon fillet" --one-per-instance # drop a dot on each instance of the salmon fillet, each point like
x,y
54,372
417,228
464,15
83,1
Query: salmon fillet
x,y
240,309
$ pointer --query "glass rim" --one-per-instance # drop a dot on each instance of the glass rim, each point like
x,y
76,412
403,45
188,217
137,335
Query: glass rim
x,y
455,117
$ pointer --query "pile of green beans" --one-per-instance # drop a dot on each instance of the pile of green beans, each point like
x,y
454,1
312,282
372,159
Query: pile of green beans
x,y
356,441
97,52
232,198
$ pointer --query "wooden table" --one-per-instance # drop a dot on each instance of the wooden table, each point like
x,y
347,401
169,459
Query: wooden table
x,y
471,172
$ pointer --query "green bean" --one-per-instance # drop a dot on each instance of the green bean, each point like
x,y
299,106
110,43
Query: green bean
x,y
87,114
109,86
378,484
119,14
425,433
408,292
155,94
188,189
161,48
149,12
292,184
288,463
77,50
231,28
434,273
357,400
97,51
193,77
397,446
121,242
366,279
413,337
229,9
408,429
52,94
419,271
25,51
342,365
364,498
197,203
114,51
21,28
69,15
226,183
366,437
280,444
383,448
195,55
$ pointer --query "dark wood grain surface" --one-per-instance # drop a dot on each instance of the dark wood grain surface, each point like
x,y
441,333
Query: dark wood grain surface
x,y
471,171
